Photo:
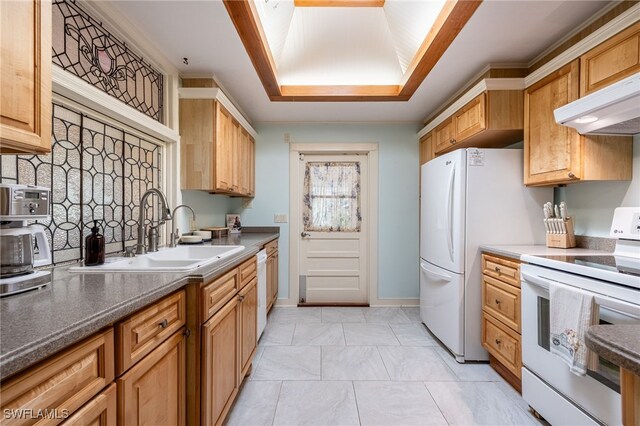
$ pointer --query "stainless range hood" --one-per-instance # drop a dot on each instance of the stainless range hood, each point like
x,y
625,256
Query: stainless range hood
x,y
613,110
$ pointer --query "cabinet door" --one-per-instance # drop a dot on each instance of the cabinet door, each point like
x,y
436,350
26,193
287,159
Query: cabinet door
x,y
611,61
444,134
236,156
274,277
270,293
426,148
470,119
152,392
220,369
25,77
100,411
252,167
551,152
224,149
248,324
245,163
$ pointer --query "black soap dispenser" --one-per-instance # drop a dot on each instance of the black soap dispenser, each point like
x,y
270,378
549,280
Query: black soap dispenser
x,y
94,247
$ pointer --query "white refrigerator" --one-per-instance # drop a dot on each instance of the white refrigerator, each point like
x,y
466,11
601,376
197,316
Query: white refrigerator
x,y
470,197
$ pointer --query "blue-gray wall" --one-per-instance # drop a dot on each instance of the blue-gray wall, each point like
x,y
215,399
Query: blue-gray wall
x,y
398,194
592,203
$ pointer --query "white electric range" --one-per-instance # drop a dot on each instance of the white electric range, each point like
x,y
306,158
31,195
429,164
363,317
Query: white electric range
x,y
547,384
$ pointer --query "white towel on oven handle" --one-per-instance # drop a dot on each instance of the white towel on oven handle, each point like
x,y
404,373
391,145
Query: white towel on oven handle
x,y
572,311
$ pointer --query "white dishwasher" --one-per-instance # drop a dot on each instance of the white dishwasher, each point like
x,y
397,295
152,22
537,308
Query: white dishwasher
x,y
262,292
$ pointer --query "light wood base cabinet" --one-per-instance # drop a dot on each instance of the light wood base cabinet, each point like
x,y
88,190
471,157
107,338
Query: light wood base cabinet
x,y
153,391
100,411
555,154
501,320
248,298
64,383
272,273
220,363
25,77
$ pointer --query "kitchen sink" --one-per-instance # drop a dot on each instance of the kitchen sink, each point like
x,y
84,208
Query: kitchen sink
x,y
177,259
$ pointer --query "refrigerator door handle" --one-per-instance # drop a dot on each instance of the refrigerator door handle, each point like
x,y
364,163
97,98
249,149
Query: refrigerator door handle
x,y
442,277
450,213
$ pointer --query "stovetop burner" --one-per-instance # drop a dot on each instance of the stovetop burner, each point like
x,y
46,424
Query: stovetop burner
x,y
620,264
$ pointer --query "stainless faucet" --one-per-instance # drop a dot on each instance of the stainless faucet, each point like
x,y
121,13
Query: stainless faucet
x,y
166,215
174,234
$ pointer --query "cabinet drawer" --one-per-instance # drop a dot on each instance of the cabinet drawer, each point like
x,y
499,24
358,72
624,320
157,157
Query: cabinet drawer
x,y
64,382
219,292
502,269
247,271
503,343
147,329
101,410
502,301
271,247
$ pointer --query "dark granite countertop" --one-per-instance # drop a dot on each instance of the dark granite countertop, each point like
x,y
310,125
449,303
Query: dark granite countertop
x,y
619,344
37,324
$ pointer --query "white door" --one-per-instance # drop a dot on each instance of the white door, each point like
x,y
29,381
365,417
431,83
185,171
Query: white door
x,y
442,305
442,208
334,226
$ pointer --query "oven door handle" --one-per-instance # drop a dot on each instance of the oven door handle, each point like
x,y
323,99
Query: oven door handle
x,y
616,305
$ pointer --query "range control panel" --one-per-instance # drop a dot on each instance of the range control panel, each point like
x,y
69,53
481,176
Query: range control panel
x,y
626,223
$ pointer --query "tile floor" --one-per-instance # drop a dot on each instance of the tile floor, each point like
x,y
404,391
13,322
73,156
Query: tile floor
x,y
366,366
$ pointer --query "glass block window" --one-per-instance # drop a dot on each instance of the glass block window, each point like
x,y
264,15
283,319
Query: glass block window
x,y
95,171
331,201
83,47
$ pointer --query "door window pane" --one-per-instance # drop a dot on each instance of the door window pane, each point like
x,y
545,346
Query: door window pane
x,y
331,200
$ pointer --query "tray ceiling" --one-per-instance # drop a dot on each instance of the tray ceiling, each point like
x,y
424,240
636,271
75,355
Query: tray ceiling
x,y
338,53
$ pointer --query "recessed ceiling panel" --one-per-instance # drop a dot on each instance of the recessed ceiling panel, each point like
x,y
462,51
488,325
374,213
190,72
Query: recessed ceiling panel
x,y
339,46
409,22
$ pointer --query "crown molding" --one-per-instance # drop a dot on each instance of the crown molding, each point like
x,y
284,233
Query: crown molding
x,y
608,30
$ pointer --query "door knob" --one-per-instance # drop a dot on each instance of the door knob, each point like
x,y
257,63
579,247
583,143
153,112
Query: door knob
x,y
304,234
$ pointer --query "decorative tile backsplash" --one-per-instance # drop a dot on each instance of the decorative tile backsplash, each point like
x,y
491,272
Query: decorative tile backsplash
x,y
95,171
83,47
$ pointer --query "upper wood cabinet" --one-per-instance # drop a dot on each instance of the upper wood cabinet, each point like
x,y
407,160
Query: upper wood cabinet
x,y
492,119
610,61
427,148
25,77
217,152
555,154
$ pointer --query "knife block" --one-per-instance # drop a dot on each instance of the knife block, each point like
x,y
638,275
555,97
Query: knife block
x,y
564,241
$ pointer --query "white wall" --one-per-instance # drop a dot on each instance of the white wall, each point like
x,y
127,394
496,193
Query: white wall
x,y
592,203
398,194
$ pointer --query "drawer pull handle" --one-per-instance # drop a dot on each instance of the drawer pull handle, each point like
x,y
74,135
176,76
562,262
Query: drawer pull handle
x,y
498,341
163,324
241,298
498,301
571,175
497,269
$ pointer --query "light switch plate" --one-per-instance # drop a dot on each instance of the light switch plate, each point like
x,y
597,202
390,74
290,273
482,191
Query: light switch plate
x,y
280,218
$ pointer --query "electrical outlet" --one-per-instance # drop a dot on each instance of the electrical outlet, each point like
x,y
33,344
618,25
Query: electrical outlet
x,y
280,218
